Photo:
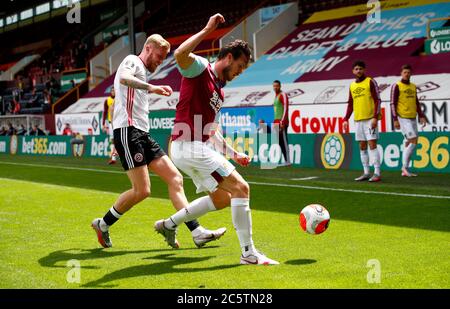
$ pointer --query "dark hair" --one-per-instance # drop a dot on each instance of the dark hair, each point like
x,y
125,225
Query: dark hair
x,y
359,63
277,81
406,67
237,48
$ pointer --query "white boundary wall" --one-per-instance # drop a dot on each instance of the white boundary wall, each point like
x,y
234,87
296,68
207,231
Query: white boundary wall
x,y
263,37
269,35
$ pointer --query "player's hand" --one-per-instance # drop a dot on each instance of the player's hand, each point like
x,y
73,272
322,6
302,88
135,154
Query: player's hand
x,y
374,123
161,90
423,121
345,125
397,124
214,21
241,158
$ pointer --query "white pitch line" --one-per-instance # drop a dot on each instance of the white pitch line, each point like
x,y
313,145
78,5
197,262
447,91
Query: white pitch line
x,y
250,182
348,190
64,167
305,178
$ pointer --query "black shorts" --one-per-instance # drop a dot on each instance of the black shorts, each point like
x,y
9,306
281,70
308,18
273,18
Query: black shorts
x,y
135,147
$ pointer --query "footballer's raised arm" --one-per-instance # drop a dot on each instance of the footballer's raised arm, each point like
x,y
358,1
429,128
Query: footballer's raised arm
x,y
183,54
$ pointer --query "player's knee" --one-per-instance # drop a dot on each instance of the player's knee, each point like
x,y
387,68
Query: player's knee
x,y
177,181
222,202
243,188
221,205
362,146
142,193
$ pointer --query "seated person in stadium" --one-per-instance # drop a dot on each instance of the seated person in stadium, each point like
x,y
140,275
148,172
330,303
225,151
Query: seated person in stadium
x,y
22,130
15,107
3,131
34,98
47,97
67,130
11,130
36,131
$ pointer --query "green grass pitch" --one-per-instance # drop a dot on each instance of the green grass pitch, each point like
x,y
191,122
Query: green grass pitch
x,y
47,204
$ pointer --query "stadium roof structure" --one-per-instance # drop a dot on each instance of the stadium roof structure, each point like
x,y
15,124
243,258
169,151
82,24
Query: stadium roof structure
x,y
13,6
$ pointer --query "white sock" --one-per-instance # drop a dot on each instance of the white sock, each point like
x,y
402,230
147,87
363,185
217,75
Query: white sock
x,y
200,229
407,153
103,226
242,221
196,209
365,161
376,160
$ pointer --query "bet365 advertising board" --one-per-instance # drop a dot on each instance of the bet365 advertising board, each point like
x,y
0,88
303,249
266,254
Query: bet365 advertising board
x,y
327,150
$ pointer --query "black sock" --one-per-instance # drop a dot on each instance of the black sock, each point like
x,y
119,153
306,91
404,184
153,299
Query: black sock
x,y
112,216
192,225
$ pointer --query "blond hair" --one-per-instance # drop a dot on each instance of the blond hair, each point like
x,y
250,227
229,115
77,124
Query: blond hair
x,y
158,41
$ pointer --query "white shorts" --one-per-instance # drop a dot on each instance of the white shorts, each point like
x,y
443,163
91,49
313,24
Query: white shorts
x,y
408,127
364,131
203,164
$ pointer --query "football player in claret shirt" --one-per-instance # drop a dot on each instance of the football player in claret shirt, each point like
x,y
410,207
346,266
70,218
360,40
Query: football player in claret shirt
x,y
138,151
405,107
364,101
196,127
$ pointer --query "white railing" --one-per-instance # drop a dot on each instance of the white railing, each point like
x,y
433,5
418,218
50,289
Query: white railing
x,y
27,120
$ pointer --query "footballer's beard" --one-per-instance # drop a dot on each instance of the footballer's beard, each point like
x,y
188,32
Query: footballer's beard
x,y
151,66
227,77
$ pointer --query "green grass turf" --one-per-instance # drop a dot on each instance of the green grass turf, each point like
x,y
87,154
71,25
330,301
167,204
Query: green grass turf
x,y
45,215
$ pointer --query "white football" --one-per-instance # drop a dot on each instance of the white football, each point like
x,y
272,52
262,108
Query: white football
x,y
314,219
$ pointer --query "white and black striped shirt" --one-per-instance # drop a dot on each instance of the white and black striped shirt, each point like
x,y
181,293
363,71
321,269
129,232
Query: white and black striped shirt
x,y
131,105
